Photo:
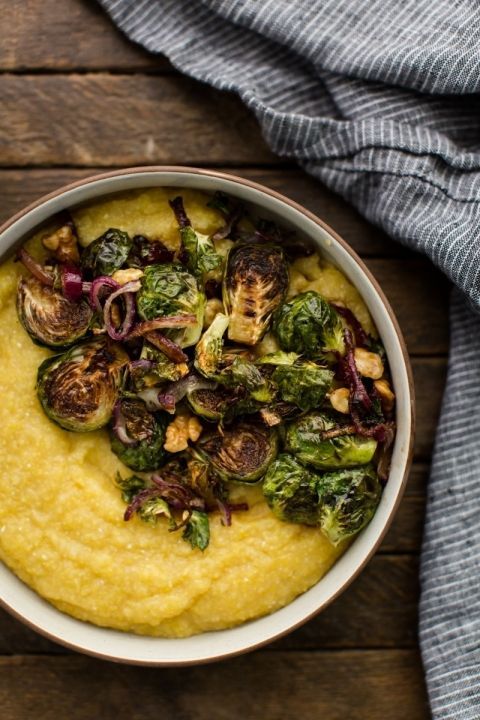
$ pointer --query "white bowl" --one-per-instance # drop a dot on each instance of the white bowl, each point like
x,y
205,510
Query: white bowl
x,y
31,609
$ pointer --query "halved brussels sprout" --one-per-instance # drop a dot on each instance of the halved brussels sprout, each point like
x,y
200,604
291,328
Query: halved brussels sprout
x,y
209,404
48,317
242,452
208,352
290,490
348,500
168,290
107,253
78,389
309,325
137,436
320,440
255,283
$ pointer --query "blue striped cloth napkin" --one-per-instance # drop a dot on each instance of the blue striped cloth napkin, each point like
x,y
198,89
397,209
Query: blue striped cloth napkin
x,y
379,100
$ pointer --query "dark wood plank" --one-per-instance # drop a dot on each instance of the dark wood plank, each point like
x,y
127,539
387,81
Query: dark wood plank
x,y
406,530
71,34
117,120
429,377
378,685
378,610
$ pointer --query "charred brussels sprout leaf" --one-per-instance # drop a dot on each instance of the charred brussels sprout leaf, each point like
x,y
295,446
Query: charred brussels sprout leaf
x,y
137,437
208,352
197,530
48,317
107,253
348,500
255,283
242,452
308,324
290,490
129,486
201,253
319,440
169,290
78,389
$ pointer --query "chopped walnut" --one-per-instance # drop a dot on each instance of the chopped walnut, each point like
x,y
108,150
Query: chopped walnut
x,y
368,364
212,308
387,396
122,277
182,429
339,399
63,243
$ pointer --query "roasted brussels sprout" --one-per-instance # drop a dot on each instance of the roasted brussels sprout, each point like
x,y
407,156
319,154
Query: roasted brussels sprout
x,y
78,389
169,290
320,440
290,490
340,502
309,325
208,352
301,382
245,374
107,253
255,283
348,500
48,317
242,452
209,404
137,436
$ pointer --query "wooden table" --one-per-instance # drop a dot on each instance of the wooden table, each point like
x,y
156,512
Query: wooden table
x,y
77,97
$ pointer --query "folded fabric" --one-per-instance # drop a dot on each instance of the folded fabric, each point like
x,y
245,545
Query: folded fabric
x,y
377,100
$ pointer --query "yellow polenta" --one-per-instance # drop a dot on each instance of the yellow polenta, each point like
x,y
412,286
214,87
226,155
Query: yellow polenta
x,y
61,526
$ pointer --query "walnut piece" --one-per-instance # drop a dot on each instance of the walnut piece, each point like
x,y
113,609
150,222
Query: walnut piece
x,y
339,399
122,277
368,364
182,429
63,243
387,396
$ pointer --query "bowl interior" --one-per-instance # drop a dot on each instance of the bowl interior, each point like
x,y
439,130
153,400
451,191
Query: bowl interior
x,y
125,647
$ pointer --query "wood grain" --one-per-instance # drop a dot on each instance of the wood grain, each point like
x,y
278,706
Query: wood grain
x,y
429,377
108,120
66,35
373,684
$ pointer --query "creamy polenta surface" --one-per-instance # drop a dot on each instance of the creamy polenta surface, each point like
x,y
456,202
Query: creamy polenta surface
x,y
61,516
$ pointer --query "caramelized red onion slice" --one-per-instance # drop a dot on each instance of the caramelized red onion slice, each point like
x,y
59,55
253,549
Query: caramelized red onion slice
x,y
175,392
162,323
126,291
361,337
173,351
35,268
226,510
72,284
101,286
